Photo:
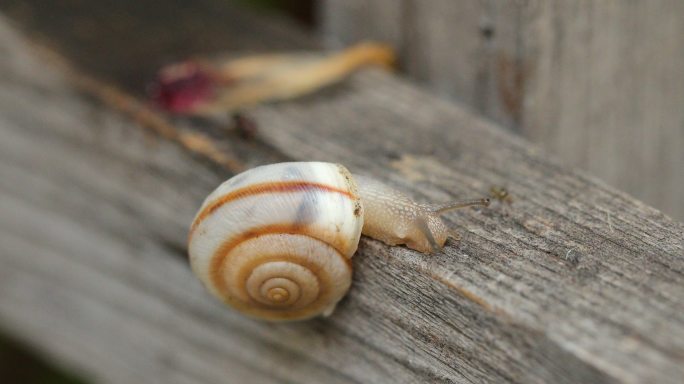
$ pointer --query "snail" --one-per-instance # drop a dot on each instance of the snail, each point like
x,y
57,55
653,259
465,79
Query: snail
x,y
275,242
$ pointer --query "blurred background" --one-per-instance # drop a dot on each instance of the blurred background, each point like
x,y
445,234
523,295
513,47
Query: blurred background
x,y
598,85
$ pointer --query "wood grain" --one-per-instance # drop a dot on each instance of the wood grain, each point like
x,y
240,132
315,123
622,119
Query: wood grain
x,y
572,282
366,25
599,83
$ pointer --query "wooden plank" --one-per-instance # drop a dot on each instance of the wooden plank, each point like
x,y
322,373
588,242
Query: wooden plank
x,y
572,282
466,50
599,83
619,66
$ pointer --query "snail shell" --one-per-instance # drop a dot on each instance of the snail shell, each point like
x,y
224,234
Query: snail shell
x,y
276,241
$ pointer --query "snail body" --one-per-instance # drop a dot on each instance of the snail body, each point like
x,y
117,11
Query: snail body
x,y
276,241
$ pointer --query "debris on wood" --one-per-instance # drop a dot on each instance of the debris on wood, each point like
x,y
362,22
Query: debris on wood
x,y
209,88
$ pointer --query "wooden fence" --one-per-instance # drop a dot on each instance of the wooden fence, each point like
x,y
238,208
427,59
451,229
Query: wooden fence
x,y
599,84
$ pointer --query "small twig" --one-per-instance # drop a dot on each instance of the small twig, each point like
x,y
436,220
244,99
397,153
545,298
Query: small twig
x,y
567,254
148,118
500,193
610,221
145,116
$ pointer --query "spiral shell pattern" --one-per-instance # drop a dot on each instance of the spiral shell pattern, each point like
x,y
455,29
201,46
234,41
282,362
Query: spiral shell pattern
x,y
276,241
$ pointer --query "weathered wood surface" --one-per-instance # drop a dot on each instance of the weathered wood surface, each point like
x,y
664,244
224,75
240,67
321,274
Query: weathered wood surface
x,y
573,282
600,83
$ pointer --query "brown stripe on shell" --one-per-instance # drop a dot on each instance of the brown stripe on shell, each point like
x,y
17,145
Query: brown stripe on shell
x,y
219,258
256,189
